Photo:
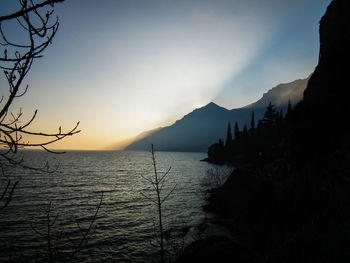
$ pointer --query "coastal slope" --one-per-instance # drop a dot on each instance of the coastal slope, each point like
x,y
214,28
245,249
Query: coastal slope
x,y
206,125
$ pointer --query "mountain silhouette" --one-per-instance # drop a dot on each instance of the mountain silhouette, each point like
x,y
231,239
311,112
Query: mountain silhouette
x,y
206,125
281,94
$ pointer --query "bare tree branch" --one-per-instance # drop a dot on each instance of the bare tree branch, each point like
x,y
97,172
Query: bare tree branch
x,y
38,26
60,245
2,207
39,35
157,183
24,10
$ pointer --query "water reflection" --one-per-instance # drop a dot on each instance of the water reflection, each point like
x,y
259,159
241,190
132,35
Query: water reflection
x,y
125,221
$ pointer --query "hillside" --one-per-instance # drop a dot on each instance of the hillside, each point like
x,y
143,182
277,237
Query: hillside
x,y
281,94
206,125
288,198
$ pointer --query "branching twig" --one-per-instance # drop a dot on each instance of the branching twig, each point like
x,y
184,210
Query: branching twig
x,y
27,10
3,206
16,61
157,183
60,245
38,26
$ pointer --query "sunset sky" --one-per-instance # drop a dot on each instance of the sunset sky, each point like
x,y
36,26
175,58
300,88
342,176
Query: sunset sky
x,y
124,66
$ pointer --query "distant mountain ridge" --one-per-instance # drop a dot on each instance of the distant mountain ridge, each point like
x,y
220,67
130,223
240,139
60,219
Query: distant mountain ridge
x,y
206,125
281,94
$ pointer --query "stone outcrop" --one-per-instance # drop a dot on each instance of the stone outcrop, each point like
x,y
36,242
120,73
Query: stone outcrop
x,y
328,87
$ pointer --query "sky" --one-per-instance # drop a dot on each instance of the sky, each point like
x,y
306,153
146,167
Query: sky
x,y
121,67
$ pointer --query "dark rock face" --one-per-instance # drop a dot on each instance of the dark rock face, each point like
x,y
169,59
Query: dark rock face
x,y
286,208
319,123
328,86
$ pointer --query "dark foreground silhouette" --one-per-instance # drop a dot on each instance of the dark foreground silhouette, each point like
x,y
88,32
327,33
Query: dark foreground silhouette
x,y
289,198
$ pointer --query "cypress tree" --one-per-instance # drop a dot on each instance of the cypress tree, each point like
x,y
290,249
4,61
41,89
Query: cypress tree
x,y
258,127
252,123
228,136
289,107
280,118
236,131
245,131
270,117
281,115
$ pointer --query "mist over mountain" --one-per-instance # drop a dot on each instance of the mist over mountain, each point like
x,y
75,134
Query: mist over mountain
x,y
281,94
206,125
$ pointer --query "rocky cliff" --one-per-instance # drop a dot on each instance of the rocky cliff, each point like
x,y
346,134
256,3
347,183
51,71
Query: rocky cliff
x,y
320,121
291,204
328,85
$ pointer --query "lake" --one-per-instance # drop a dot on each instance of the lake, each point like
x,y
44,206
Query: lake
x,y
125,223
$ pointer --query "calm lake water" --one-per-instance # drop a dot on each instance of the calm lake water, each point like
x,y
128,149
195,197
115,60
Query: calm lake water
x,y
125,222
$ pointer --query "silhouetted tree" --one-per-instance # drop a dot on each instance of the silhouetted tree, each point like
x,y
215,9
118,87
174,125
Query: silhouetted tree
x,y
252,123
157,182
245,131
236,131
216,152
228,137
38,30
270,117
289,109
259,126
280,118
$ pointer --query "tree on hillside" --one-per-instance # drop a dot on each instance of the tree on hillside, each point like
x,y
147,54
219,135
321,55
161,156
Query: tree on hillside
x,y
252,123
289,110
228,137
35,24
289,107
270,117
236,131
245,131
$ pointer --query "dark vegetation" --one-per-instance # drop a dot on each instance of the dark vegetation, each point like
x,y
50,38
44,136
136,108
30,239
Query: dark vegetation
x,y
254,144
186,134
289,198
